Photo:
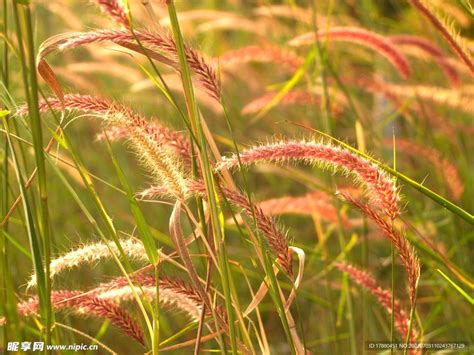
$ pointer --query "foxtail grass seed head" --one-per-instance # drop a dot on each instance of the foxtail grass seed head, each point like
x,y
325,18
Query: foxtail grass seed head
x,y
447,30
399,241
340,82
432,50
276,239
383,296
92,253
152,41
173,293
87,305
380,188
116,10
150,142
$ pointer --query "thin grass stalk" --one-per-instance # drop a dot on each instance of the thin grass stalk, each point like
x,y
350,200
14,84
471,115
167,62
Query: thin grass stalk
x,y
156,314
214,207
31,92
42,181
410,323
323,63
150,248
124,268
266,261
259,251
7,295
322,60
267,264
201,319
392,271
29,224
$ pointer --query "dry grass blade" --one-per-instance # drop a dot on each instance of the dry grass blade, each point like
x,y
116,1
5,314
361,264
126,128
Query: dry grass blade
x,y
180,244
276,238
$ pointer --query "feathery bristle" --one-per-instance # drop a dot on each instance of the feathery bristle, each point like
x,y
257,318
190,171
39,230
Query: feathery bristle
x,y
407,254
115,10
150,142
379,186
162,42
384,297
92,253
106,110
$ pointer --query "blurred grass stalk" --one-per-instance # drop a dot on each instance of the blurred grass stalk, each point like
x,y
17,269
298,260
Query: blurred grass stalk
x,y
38,226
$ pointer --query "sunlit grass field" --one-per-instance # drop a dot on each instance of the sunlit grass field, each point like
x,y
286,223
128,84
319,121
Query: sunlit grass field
x,y
278,177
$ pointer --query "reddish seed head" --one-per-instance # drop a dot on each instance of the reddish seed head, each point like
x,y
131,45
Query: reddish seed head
x,y
380,188
368,282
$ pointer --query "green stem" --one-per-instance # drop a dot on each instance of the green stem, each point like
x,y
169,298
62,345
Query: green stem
x,y
156,318
40,163
214,207
31,93
410,324
392,316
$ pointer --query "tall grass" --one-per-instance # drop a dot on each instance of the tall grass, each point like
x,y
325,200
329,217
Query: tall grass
x,y
250,186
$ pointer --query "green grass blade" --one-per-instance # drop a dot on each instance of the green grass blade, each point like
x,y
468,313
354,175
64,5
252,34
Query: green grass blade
x,y
457,287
